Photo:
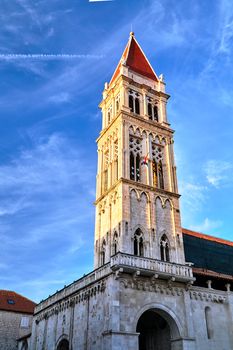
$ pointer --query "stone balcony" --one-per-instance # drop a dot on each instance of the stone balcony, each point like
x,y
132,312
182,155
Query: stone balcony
x,y
123,263
151,267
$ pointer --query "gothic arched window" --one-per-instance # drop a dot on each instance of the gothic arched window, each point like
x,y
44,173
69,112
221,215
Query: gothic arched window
x,y
137,106
131,103
134,102
117,103
102,254
115,243
155,173
138,167
152,109
135,158
157,166
160,175
156,116
164,249
63,345
138,243
149,110
132,166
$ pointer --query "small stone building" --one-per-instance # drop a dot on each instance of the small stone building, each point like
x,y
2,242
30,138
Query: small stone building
x,y
144,293
16,313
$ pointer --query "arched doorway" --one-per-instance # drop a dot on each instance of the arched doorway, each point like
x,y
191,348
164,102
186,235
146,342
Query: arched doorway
x,y
156,330
63,345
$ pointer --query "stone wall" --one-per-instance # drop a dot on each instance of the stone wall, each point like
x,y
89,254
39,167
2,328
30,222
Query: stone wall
x,y
11,329
106,318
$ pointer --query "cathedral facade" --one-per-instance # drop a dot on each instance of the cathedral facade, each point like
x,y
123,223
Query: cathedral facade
x,y
142,293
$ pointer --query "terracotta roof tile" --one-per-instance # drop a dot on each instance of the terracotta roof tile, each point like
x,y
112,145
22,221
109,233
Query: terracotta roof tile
x,y
134,58
210,273
207,237
12,301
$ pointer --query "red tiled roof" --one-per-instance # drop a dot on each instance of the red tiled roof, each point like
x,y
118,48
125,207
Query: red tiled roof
x,y
134,58
207,237
210,273
12,301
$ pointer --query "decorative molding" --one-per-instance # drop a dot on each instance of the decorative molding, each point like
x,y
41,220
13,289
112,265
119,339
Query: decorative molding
x,y
151,286
208,296
72,300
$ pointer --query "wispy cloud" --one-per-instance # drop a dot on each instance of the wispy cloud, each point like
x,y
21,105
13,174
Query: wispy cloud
x,y
62,97
207,226
42,201
218,172
193,195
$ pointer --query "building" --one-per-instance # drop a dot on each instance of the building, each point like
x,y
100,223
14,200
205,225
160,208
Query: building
x,y
16,313
144,293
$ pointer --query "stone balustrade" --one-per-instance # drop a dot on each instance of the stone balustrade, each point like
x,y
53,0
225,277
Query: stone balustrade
x,y
130,263
152,267
74,287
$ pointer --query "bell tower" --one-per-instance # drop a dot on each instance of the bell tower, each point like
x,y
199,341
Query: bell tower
x,y
137,200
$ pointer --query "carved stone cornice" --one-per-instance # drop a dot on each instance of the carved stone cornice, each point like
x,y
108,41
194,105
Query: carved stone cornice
x,y
150,285
208,296
72,300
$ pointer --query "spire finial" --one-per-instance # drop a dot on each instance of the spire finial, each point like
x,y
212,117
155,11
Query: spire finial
x,y
131,33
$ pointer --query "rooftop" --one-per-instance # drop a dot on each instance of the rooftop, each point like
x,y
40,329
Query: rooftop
x,y
12,301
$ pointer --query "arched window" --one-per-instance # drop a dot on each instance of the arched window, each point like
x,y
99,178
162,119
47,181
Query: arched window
x,y
155,173
208,320
135,146
156,113
63,345
109,117
115,243
105,180
164,249
132,166
134,102
117,103
103,249
150,111
138,167
131,103
160,175
138,243
137,106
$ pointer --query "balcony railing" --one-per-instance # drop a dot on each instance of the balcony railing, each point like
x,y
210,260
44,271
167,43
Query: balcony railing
x,y
148,266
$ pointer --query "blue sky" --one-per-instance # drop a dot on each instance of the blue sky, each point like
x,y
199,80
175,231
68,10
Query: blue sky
x,y
49,120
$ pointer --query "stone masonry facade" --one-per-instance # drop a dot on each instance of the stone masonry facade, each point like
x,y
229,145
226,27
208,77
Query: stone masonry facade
x,y
140,271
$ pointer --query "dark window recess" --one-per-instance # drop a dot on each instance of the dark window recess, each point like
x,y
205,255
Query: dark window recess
x,y
138,168
156,113
10,301
137,106
132,169
160,171
131,102
150,111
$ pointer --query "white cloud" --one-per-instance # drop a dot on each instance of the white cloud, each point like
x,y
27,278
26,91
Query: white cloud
x,y
206,226
218,172
193,195
41,183
62,97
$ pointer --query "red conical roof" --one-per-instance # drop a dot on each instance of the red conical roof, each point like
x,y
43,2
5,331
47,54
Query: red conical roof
x,y
134,58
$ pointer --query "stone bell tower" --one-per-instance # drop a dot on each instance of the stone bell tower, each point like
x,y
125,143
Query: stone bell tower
x,y
137,200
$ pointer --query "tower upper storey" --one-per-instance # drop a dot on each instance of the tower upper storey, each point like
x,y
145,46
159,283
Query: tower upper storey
x,y
134,87
137,200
